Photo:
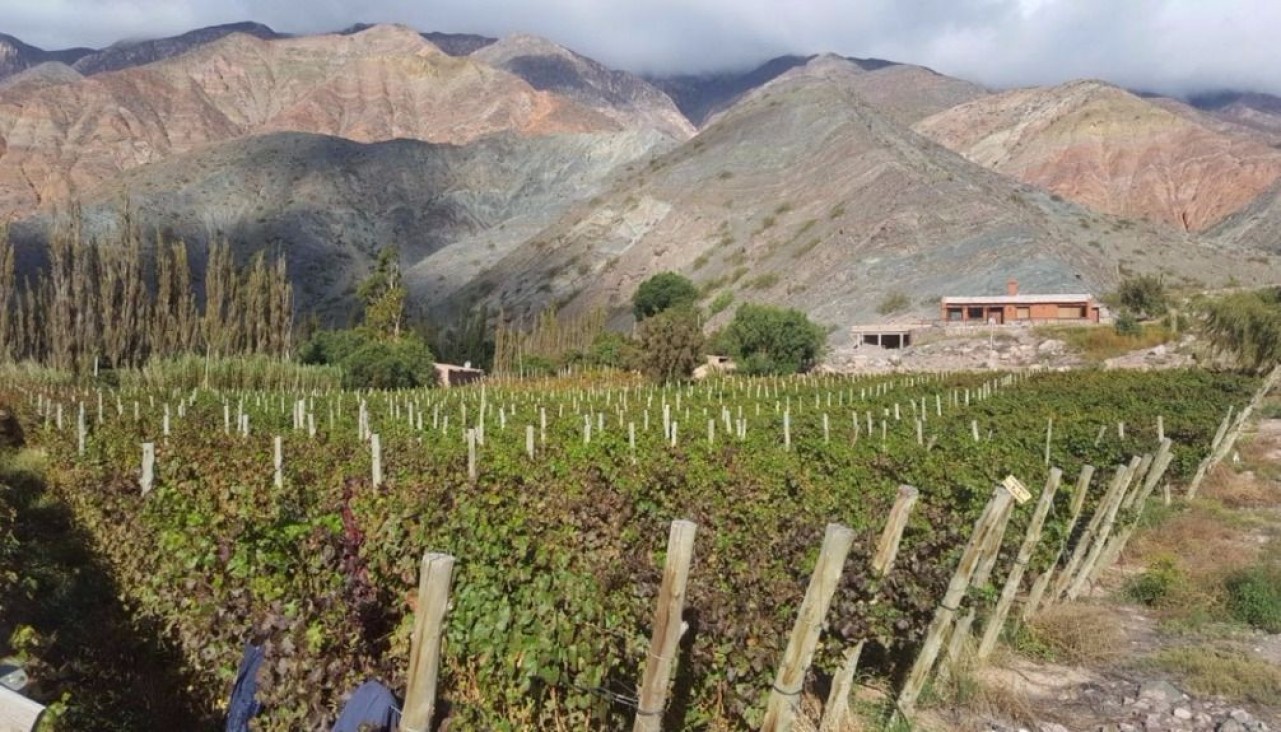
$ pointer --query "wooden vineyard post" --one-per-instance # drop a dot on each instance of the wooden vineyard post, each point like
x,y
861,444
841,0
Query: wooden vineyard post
x,y
81,432
988,554
529,441
789,681
1137,497
1043,581
956,589
1086,570
148,467
1049,434
471,455
424,646
376,459
1083,543
17,712
277,460
836,711
652,695
994,623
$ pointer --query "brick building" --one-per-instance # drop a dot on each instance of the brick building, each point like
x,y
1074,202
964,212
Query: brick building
x,y
1015,308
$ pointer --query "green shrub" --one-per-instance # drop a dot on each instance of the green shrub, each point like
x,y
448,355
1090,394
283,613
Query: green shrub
x,y
1128,325
1156,583
893,303
1144,295
1254,597
403,363
671,344
721,302
769,340
663,291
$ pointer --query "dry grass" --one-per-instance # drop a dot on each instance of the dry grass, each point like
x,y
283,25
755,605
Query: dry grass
x,y
1232,674
1096,343
1077,633
1203,541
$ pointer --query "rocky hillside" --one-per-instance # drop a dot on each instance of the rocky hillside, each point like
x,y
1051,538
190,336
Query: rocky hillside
x,y
331,204
803,194
1112,151
16,56
905,92
1260,112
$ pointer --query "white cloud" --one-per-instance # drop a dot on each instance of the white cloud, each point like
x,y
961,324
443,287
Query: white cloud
x,y
1167,45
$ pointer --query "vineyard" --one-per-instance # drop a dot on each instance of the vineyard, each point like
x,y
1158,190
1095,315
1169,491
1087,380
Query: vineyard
x,y
299,519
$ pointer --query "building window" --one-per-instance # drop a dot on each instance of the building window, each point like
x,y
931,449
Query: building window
x,y
1022,313
975,314
1071,312
955,314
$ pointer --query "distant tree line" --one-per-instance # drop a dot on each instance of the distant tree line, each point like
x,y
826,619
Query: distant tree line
x,y
120,301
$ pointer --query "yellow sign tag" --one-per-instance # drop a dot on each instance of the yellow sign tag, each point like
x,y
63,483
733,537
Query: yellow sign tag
x,y
1016,489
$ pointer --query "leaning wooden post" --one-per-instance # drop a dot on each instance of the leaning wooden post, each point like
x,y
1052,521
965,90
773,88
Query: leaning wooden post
x,y
956,589
1086,572
989,552
1087,537
836,711
652,696
790,680
424,646
992,629
148,467
1074,514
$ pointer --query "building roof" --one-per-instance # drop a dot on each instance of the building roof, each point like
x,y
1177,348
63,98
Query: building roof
x,y
1018,300
888,328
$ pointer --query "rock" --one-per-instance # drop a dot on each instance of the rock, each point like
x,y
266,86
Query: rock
x,y
1231,725
1162,694
1182,713
1051,346
11,436
1053,727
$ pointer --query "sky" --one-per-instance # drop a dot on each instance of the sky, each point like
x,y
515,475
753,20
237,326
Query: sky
x,y
1170,46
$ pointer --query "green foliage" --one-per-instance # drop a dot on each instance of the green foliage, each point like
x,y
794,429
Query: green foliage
x,y
1144,295
383,295
894,302
671,344
372,362
769,340
663,291
1128,325
722,301
403,363
1254,597
1246,326
1156,583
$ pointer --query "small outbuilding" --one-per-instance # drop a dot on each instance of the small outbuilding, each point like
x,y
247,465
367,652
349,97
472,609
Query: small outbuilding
x,y
882,336
448,374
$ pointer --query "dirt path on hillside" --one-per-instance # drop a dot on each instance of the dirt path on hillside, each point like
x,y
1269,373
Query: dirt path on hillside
x,y
1176,663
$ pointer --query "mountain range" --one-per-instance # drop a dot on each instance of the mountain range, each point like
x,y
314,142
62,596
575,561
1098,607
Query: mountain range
x,y
516,173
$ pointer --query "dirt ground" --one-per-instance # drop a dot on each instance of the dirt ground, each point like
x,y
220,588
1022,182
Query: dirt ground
x,y
1175,662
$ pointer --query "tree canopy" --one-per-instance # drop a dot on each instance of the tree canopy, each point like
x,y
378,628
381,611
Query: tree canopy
x,y
663,291
770,340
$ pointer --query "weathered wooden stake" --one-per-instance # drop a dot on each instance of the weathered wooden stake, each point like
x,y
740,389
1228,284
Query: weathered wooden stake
x,y
789,682
434,580
996,621
946,612
836,711
652,695
376,459
278,461
1043,581
148,467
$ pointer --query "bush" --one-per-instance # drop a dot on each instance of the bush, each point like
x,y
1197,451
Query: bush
x,y
1128,325
663,291
893,303
1254,597
769,340
404,363
1144,295
722,301
370,362
1156,583
1247,326
671,345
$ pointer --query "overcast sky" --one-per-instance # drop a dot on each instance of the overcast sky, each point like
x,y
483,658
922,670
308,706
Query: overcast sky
x,y
1174,46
